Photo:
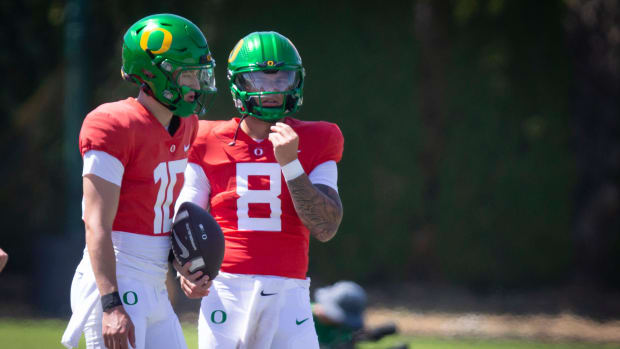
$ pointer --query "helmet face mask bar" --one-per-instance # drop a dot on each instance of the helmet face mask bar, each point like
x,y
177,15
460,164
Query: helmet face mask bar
x,y
266,76
168,55
268,94
191,88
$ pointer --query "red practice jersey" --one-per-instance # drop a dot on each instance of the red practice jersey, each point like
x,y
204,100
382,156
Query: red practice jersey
x,y
250,199
153,161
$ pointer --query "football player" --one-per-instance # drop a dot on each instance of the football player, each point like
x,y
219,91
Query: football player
x,y
270,181
338,312
135,153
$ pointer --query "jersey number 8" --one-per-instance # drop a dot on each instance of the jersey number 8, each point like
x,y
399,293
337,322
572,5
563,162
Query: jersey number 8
x,y
270,196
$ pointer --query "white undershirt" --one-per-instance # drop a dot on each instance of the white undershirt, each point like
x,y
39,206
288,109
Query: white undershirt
x,y
196,187
103,165
325,173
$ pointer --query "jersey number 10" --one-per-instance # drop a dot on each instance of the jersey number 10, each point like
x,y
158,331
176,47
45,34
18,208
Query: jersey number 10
x,y
166,174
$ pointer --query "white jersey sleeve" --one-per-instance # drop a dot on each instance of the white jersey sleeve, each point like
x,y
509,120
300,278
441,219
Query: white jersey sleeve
x,y
325,173
103,165
196,188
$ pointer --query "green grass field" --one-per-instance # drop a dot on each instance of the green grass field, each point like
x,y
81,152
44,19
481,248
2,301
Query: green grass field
x,y
45,334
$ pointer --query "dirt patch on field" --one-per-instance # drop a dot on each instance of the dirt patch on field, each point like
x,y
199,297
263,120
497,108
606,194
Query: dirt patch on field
x,y
574,312
541,327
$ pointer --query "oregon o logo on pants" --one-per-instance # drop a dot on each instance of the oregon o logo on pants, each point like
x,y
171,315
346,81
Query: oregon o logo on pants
x,y
126,298
222,318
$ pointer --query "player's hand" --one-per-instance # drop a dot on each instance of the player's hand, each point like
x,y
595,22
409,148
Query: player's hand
x,y
285,142
193,285
184,270
4,258
118,329
196,289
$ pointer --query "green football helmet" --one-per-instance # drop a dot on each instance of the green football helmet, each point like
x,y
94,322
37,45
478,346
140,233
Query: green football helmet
x,y
161,50
266,76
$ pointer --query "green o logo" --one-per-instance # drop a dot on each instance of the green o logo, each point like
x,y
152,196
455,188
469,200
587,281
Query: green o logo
x,y
222,317
130,298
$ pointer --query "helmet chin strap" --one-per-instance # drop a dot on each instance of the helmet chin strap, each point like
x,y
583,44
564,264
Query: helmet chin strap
x,y
234,141
147,89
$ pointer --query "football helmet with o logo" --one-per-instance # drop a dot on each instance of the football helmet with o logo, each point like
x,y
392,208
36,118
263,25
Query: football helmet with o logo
x,y
161,53
266,76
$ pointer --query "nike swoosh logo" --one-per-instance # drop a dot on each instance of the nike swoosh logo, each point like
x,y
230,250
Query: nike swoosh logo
x,y
184,251
186,148
302,321
262,293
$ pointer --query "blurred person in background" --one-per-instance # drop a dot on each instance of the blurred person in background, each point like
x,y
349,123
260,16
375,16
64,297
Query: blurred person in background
x,y
338,312
4,258
135,153
270,181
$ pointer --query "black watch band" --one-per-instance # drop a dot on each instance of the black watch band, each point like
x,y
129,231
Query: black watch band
x,y
110,301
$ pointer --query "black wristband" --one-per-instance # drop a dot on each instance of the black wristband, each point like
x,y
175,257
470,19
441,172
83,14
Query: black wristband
x,y
110,301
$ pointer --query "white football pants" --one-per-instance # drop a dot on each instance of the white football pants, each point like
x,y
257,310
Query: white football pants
x,y
141,267
257,312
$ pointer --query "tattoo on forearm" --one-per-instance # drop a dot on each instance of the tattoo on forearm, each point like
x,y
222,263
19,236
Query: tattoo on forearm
x,y
318,206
